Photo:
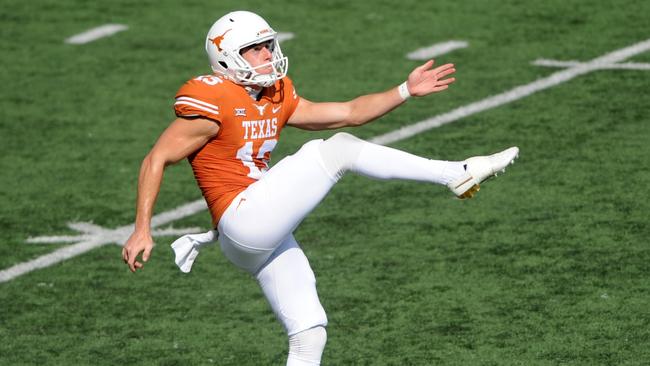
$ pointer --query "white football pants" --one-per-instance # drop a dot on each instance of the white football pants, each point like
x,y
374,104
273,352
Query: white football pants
x,y
255,232
262,217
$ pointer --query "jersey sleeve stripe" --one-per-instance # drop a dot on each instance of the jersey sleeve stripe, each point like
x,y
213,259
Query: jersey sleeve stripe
x,y
213,111
208,105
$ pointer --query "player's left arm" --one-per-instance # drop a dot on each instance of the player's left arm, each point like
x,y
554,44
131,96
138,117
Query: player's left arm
x,y
423,80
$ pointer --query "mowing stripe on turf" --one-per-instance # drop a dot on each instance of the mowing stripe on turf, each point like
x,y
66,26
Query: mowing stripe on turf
x,y
96,33
100,236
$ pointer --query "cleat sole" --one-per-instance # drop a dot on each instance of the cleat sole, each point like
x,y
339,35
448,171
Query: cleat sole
x,y
470,192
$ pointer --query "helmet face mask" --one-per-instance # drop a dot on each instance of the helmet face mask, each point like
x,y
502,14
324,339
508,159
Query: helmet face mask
x,y
236,31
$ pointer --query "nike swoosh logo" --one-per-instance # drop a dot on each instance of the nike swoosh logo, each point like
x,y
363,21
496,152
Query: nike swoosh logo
x,y
275,110
240,202
463,182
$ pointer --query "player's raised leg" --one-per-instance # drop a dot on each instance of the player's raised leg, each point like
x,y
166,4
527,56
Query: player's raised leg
x,y
276,204
344,152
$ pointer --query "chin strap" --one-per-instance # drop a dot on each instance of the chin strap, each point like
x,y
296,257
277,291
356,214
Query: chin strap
x,y
253,92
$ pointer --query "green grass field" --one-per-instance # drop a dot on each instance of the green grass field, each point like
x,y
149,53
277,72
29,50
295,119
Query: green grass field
x,y
548,265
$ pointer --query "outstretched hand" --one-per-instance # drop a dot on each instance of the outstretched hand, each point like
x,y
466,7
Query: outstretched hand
x,y
424,80
137,243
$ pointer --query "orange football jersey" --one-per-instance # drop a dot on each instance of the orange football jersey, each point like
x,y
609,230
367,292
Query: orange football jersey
x,y
249,130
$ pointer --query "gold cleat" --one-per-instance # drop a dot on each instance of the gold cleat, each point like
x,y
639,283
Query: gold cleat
x,y
470,192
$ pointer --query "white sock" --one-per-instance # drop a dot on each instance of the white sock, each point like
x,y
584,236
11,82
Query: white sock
x,y
343,152
306,347
383,162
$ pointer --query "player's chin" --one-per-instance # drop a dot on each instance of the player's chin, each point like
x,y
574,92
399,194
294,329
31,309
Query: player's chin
x,y
265,70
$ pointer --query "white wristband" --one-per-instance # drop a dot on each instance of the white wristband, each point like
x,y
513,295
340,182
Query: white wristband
x,y
403,91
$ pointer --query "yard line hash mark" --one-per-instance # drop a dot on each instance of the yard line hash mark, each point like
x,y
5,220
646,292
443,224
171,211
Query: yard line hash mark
x,y
96,33
436,50
285,36
95,236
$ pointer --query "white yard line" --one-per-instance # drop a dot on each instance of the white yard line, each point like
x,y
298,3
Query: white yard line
x,y
564,64
99,238
513,94
436,50
96,33
95,236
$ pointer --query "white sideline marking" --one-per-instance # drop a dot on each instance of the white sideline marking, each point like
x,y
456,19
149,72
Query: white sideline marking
x,y
95,236
435,50
624,66
513,94
285,36
96,33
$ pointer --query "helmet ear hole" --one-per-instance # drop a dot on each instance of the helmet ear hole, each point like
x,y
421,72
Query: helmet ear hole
x,y
225,65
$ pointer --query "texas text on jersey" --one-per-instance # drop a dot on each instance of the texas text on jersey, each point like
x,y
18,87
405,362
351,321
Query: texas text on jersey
x,y
249,130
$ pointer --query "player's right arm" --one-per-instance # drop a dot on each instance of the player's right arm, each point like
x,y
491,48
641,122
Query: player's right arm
x,y
179,140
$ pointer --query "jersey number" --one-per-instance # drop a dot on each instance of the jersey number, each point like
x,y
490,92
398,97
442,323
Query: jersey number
x,y
245,154
209,79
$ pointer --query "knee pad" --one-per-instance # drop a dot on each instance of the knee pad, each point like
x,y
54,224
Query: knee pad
x,y
306,347
340,152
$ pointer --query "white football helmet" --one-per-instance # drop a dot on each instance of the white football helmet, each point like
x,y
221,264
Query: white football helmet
x,y
237,30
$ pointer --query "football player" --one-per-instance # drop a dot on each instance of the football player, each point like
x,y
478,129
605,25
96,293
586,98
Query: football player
x,y
228,124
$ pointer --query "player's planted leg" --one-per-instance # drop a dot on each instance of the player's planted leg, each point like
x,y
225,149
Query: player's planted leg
x,y
289,286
